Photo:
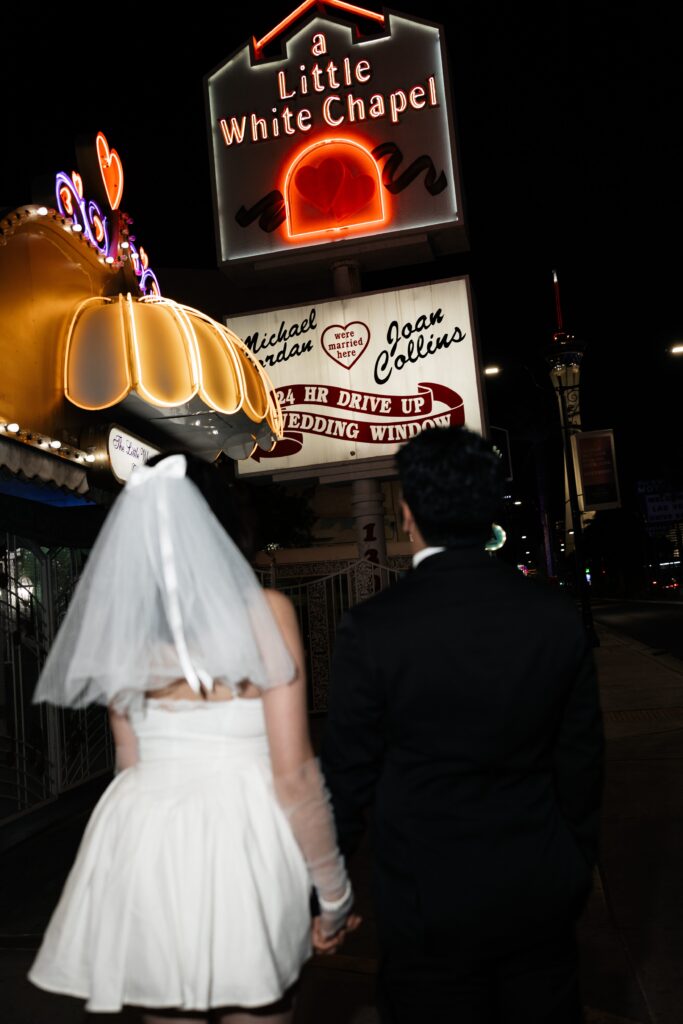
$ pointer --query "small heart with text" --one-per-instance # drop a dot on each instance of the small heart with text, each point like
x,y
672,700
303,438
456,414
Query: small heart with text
x,y
345,344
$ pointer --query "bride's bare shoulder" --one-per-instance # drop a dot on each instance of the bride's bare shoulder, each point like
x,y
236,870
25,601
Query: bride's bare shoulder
x,y
280,604
285,615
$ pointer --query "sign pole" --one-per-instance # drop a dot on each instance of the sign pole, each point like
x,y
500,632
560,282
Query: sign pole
x,y
564,359
367,503
367,498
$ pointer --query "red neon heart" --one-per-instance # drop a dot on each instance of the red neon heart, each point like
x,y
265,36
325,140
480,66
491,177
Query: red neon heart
x,y
354,194
65,196
112,171
320,185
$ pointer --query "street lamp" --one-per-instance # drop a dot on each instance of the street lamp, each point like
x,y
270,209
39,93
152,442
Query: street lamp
x,y
564,360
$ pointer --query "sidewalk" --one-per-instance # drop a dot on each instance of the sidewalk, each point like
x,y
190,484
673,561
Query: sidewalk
x,y
631,934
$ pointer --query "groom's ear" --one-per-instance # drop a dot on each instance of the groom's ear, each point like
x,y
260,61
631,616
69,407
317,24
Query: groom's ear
x,y
407,518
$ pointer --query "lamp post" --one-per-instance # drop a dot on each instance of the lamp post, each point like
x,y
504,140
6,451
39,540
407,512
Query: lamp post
x,y
675,350
564,359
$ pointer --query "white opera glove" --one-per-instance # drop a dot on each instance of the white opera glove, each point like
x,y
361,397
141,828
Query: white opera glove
x,y
303,796
334,913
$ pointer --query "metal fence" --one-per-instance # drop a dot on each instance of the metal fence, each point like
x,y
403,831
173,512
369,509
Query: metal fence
x,y
44,751
320,602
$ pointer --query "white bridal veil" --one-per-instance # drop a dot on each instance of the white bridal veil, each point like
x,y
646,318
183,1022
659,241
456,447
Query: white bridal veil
x,y
165,595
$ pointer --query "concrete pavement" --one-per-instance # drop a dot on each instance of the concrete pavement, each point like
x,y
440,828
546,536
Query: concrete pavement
x,y
631,935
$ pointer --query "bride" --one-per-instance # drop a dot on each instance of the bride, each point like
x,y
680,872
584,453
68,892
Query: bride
x,y
190,891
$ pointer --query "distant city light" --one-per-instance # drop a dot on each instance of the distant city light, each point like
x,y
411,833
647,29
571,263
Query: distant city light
x,y
497,540
518,503
677,349
491,371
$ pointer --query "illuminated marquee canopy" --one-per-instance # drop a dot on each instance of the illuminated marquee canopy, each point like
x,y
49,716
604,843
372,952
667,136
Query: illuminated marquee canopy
x,y
86,338
335,139
170,362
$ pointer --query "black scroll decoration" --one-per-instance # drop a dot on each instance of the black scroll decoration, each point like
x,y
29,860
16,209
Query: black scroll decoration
x,y
433,182
270,212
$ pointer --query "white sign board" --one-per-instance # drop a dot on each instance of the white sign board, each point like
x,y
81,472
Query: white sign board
x,y
126,452
358,376
336,138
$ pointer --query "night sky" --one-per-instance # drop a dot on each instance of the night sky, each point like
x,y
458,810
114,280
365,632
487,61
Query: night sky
x,y
569,135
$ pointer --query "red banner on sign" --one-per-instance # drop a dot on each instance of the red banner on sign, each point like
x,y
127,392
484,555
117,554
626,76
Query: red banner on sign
x,y
402,427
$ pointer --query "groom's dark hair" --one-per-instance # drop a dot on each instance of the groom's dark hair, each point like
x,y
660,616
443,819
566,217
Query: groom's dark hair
x,y
452,481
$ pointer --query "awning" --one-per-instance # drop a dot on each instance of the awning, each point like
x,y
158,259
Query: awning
x,y
174,366
39,467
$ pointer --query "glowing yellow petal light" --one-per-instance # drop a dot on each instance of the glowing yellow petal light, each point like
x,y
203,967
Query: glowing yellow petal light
x,y
97,369
222,384
164,364
273,412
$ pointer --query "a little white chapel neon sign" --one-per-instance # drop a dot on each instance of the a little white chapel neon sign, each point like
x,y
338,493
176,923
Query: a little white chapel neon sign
x,y
336,109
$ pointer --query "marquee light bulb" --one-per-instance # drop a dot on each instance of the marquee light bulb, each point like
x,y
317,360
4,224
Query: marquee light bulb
x,y
90,457
55,444
13,428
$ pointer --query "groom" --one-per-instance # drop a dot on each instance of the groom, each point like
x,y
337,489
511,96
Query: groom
x,y
464,712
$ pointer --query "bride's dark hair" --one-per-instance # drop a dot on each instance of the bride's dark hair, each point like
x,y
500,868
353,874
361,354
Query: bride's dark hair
x,y
226,498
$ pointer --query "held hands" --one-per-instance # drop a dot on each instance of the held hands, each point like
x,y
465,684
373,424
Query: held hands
x,y
325,944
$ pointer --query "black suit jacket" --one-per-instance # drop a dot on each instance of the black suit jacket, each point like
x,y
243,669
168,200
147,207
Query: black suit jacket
x,y
464,707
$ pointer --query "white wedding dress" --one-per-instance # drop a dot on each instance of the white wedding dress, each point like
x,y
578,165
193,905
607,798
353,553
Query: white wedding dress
x,y
189,889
